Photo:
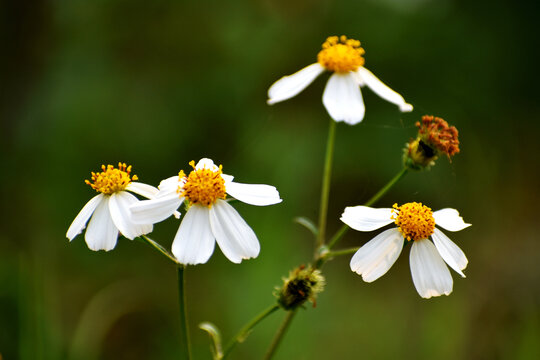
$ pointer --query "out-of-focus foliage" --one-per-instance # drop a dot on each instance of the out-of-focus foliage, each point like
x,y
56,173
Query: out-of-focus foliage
x,y
159,83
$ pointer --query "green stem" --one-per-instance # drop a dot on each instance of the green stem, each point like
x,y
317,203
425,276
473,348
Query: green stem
x,y
332,254
325,191
246,330
280,333
339,234
159,248
185,349
387,187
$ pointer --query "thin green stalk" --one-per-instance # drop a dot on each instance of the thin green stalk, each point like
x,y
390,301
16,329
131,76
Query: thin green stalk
x,y
279,334
159,248
325,191
246,330
332,254
387,187
339,234
185,349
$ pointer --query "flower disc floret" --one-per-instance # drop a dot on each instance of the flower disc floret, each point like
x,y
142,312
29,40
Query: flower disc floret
x,y
112,180
414,220
341,55
203,186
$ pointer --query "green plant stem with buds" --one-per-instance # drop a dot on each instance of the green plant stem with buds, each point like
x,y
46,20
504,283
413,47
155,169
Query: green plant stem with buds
x,y
323,253
325,191
280,333
246,330
185,347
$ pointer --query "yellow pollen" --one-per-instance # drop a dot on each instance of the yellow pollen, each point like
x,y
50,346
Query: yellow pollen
x,y
341,55
414,220
112,180
202,186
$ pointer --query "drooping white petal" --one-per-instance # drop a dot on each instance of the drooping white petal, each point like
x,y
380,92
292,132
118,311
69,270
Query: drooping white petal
x,y
119,204
254,194
79,223
291,85
450,252
378,255
206,163
449,219
155,210
382,90
430,275
145,190
233,235
194,241
101,233
365,218
343,100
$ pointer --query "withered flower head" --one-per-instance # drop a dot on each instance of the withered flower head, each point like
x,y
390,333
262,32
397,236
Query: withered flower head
x,y
435,138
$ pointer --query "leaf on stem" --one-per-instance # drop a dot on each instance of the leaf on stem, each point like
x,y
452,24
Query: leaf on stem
x,y
215,335
307,223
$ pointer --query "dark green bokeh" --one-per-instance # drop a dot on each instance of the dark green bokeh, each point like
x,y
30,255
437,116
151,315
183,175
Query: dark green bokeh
x,y
157,84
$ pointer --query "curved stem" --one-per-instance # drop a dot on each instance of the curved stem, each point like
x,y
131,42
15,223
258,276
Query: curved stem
x,y
185,348
339,234
246,330
279,334
325,191
159,248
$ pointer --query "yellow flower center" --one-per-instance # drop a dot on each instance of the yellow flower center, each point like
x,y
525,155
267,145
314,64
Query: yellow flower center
x,y
341,55
414,220
112,180
202,186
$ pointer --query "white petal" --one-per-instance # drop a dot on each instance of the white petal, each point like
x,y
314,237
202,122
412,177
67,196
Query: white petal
x,y
450,252
254,194
365,218
145,190
449,219
206,163
156,210
168,186
430,275
101,233
343,100
81,219
378,255
289,86
382,90
228,178
194,241
119,204
234,237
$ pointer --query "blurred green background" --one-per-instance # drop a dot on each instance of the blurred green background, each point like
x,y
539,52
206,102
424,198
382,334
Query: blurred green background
x,y
157,84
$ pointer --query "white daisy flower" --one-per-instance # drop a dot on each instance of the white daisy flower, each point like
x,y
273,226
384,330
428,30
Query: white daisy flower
x,y
108,212
209,217
415,222
341,97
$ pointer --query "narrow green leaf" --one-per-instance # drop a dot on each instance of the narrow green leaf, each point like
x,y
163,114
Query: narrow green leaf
x,y
307,223
215,335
